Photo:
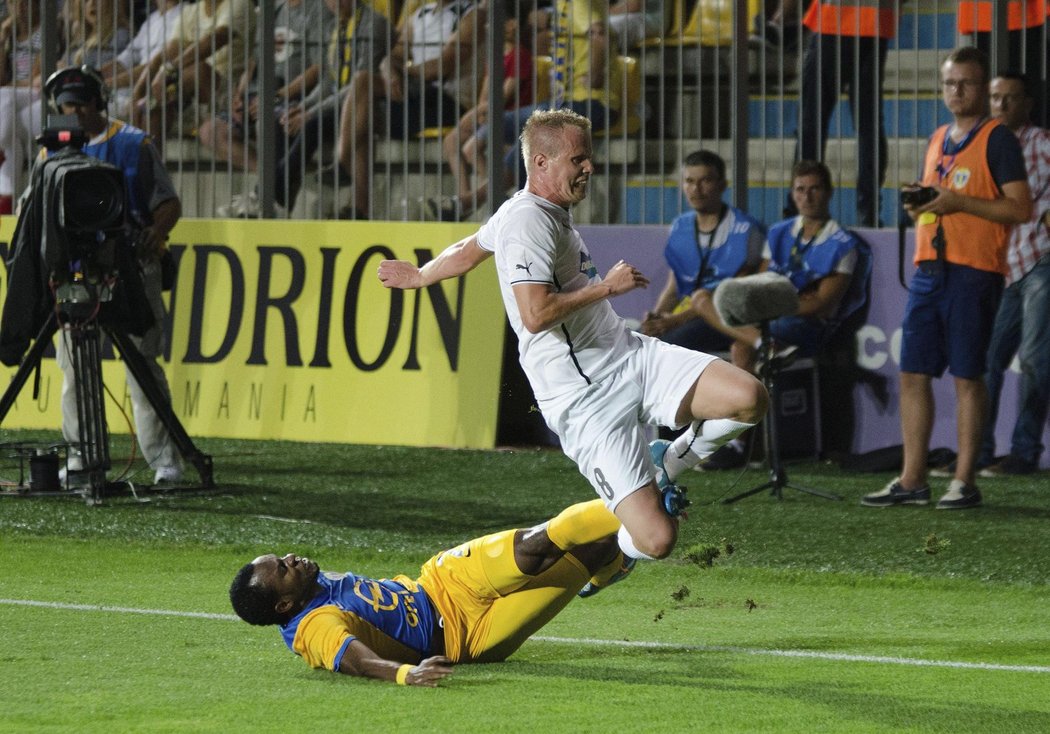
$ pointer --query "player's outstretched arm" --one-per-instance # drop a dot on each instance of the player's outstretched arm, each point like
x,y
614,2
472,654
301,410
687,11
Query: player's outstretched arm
x,y
542,308
359,659
455,260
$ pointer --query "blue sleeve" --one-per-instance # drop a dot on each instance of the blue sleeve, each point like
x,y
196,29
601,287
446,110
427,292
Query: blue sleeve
x,y
1005,157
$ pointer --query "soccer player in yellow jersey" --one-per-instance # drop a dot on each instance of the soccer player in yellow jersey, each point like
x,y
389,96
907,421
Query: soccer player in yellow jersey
x,y
475,603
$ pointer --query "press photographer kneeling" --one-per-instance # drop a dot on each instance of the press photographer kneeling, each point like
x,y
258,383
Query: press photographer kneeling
x,y
102,251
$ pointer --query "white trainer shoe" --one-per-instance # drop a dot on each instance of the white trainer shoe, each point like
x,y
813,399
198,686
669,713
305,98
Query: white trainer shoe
x,y
169,474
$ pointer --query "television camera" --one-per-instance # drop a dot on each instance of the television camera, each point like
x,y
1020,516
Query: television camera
x,y
74,268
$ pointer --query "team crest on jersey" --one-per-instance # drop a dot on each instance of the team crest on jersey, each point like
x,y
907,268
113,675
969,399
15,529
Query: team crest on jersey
x,y
586,265
960,178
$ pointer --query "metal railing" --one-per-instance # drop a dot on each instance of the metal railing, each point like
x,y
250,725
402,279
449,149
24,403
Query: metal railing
x,y
720,76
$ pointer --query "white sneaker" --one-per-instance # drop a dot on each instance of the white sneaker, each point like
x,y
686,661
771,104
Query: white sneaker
x,y
170,474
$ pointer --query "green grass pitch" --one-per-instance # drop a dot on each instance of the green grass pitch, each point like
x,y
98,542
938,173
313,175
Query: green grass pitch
x,y
797,615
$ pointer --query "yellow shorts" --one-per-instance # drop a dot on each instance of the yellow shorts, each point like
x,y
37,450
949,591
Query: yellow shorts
x,y
488,606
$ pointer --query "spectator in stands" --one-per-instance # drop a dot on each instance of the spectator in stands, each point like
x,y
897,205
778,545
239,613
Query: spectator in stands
x,y
847,50
99,35
433,70
1023,320
298,48
203,57
465,148
154,208
977,169
633,22
21,47
359,42
711,242
151,39
1028,36
583,79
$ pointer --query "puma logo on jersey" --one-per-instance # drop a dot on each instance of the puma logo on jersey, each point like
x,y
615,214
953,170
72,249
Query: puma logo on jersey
x,y
524,267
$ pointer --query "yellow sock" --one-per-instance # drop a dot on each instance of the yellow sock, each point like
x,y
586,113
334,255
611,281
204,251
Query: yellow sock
x,y
582,523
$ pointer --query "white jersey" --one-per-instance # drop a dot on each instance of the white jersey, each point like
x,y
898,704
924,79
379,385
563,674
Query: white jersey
x,y
534,242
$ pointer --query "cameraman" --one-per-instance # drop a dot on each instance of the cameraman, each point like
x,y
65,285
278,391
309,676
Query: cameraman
x,y
977,169
155,208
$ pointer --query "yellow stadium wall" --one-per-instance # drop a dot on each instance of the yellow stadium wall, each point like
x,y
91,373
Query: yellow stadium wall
x,y
281,330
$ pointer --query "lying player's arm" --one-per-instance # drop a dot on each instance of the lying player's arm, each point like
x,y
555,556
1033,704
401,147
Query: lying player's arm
x,y
359,659
542,308
454,261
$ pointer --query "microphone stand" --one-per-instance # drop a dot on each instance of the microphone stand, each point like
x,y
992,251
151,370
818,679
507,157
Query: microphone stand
x,y
778,478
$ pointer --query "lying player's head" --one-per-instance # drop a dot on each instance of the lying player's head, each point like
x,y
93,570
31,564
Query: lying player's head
x,y
271,590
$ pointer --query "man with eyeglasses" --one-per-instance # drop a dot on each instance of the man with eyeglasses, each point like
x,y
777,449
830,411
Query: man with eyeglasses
x,y
975,166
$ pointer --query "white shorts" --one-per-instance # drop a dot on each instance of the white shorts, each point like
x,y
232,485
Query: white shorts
x,y
602,426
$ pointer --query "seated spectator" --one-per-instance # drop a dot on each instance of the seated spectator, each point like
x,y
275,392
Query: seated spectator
x,y
465,148
21,48
819,257
706,245
99,35
583,79
432,71
633,22
298,55
359,42
206,52
151,39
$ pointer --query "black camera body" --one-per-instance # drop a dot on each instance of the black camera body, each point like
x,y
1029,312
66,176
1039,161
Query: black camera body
x,y
73,247
918,196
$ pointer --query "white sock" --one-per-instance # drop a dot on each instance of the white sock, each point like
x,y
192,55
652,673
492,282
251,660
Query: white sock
x,y
698,442
627,545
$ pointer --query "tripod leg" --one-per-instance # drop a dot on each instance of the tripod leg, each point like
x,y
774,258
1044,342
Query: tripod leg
x,y
814,492
771,431
84,343
140,370
754,490
30,361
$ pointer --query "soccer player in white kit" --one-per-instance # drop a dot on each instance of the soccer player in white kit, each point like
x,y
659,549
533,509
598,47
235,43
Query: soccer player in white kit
x,y
596,382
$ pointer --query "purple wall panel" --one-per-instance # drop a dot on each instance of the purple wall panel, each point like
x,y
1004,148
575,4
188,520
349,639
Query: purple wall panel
x,y
876,402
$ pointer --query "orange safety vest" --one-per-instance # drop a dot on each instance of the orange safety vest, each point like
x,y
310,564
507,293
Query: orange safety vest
x,y
976,17
862,18
971,240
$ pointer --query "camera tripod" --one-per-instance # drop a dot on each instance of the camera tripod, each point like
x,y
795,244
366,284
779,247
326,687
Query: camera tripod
x,y
86,354
778,478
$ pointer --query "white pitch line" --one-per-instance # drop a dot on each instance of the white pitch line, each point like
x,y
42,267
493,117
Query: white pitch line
x,y
811,654
120,610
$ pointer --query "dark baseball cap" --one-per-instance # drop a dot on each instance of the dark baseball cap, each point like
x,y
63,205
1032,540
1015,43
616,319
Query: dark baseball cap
x,y
75,87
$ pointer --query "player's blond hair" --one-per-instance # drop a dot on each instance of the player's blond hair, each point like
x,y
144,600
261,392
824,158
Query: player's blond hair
x,y
542,132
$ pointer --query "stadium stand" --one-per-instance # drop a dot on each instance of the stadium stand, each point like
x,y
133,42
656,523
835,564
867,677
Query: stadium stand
x,y
682,94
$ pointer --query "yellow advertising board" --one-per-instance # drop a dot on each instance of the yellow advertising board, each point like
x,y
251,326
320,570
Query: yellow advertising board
x,y
281,330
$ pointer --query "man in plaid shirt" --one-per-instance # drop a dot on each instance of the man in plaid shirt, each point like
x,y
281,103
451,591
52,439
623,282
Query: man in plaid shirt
x,y
1023,320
